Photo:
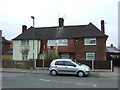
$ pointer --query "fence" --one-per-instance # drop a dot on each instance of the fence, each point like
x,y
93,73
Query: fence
x,y
93,65
17,64
6,57
39,63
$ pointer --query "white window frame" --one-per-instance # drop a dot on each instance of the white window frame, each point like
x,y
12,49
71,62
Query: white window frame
x,y
88,54
24,42
87,41
63,54
52,42
60,42
63,42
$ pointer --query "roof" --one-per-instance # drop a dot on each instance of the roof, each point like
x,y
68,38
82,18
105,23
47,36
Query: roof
x,y
5,41
66,32
113,50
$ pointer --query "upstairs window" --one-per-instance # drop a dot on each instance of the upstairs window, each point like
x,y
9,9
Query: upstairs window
x,y
52,42
25,43
90,41
61,42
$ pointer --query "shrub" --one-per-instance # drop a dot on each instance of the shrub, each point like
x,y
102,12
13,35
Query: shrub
x,y
7,57
50,55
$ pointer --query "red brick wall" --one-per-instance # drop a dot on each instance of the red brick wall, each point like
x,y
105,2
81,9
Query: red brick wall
x,y
99,49
77,46
70,48
43,44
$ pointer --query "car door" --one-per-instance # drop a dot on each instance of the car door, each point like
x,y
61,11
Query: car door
x,y
70,68
59,65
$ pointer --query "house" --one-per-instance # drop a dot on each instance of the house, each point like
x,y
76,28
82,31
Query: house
x,y
5,46
113,54
11,47
0,43
80,42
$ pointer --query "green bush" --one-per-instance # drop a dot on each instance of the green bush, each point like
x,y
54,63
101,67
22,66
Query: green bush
x,y
17,64
7,57
50,55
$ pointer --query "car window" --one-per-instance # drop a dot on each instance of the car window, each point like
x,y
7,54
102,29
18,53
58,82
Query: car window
x,y
59,63
68,63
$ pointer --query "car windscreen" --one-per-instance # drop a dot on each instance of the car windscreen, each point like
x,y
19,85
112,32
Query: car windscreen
x,y
77,62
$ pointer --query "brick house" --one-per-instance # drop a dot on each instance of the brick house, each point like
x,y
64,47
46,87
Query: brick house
x,y
5,46
80,42
113,54
0,43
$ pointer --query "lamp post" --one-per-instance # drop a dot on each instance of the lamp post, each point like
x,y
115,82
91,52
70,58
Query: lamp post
x,y
33,38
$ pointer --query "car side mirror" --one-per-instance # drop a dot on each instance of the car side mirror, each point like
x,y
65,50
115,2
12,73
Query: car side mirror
x,y
74,65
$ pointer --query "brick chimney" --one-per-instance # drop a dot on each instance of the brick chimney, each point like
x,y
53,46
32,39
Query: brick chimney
x,y
24,27
61,22
103,26
111,45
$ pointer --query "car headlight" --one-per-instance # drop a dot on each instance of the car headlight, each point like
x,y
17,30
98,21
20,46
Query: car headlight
x,y
87,69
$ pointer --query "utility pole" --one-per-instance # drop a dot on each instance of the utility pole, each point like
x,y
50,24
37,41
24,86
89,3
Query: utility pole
x,y
33,39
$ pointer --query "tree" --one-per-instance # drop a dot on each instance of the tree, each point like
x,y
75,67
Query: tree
x,y
51,53
24,51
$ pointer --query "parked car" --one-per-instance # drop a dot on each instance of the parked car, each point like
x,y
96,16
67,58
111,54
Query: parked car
x,y
68,66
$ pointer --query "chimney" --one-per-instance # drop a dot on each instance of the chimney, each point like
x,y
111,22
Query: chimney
x,y
24,27
61,22
111,45
103,26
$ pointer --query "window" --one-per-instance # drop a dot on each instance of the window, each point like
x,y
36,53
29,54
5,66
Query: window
x,y
68,63
52,42
90,41
65,56
25,43
59,63
90,56
61,42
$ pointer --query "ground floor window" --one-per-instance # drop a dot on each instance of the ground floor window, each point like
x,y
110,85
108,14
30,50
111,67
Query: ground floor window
x,y
90,56
65,55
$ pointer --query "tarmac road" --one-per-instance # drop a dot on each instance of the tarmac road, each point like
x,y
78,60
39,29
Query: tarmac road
x,y
19,78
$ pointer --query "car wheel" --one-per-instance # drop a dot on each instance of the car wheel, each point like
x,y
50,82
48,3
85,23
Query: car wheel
x,y
53,72
80,74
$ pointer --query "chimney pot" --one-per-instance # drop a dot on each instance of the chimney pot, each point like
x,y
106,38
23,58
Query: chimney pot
x,y
61,22
111,45
24,27
103,26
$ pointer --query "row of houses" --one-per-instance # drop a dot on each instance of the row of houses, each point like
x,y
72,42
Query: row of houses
x,y
80,42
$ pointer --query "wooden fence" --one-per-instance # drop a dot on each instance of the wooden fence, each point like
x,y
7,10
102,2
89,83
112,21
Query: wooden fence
x,y
93,65
17,64
40,63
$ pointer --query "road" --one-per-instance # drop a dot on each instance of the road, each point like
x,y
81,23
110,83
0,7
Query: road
x,y
27,80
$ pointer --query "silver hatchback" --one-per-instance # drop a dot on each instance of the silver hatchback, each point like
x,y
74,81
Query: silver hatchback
x,y
67,66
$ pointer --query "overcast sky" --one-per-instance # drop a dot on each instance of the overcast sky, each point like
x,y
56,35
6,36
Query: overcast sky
x,y
15,13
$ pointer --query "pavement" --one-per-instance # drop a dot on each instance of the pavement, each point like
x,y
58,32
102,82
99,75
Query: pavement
x,y
94,73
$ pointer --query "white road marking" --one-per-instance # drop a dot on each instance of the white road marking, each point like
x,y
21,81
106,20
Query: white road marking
x,y
68,82
45,80
87,84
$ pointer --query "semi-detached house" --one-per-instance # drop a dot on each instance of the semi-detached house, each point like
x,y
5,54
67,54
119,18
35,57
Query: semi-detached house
x,y
80,42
